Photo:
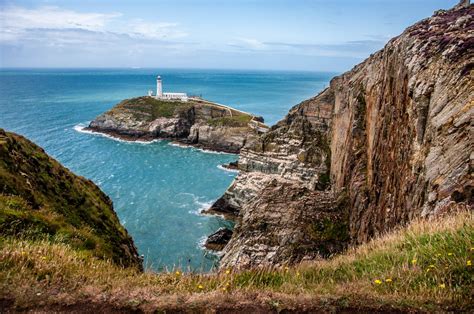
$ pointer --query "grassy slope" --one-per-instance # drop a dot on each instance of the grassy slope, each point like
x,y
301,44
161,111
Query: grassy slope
x,y
425,266
40,199
149,109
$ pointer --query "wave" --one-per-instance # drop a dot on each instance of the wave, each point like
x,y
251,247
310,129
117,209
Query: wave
x,y
200,245
202,205
81,128
227,169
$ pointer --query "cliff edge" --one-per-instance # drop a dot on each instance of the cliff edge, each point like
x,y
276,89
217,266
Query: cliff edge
x,y
386,142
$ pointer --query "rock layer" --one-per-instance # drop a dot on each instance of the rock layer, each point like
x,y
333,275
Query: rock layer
x,y
392,137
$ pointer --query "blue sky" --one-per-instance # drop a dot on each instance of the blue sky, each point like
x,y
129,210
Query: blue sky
x,y
314,35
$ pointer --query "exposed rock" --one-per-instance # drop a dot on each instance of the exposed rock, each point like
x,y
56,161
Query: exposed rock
x,y
218,240
233,165
393,137
287,224
195,122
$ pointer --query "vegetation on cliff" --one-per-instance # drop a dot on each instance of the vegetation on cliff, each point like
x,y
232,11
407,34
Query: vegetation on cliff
x,y
40,199
149,108
426,266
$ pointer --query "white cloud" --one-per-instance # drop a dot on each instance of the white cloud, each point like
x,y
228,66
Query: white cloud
x,y
47,22
150,30
17,19
248,43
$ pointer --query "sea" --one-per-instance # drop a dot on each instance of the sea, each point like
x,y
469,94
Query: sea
x,y
158,189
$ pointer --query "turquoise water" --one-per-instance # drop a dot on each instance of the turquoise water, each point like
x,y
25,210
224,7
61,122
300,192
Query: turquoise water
x,y
158,189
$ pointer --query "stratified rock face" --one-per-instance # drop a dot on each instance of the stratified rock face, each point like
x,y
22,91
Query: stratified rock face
x,y
40,199
196,122
392,137
400,142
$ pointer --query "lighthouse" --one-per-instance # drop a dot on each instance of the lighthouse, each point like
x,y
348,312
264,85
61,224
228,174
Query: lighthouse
x,y
166,96
159,87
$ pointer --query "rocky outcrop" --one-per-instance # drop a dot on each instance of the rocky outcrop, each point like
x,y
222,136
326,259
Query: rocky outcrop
x,y
392,138
218,240
195,122
42,200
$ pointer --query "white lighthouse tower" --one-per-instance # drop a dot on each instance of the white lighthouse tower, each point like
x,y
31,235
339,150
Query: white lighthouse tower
x,y
168,96
159,87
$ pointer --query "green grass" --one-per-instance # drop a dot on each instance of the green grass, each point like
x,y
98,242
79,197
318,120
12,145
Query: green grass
x,y
240,120
425,265
149,109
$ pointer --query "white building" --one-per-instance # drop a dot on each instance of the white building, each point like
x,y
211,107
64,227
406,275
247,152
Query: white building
x,y
168,96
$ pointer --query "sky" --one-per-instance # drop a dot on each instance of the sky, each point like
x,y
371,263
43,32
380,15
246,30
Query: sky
x,y
308,35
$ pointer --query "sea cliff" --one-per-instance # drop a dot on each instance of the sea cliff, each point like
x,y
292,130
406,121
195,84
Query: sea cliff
x,y
386,142
195,122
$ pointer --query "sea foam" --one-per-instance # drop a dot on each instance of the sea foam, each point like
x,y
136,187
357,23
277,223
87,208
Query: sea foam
x,y
81,128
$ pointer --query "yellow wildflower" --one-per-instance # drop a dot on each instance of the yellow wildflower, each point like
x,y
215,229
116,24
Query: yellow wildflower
x,y
23,253
227,271
442,286
431,266
438,255
469,263
413,261
450,254
388,280
178,273
224,289
377,281
200,287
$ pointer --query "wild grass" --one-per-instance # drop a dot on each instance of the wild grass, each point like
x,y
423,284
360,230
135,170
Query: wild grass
x,y
239,120
426,265
149,109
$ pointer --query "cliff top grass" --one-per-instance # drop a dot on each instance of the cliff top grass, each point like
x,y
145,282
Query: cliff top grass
x,y
425,266
238,120
40,199
149,108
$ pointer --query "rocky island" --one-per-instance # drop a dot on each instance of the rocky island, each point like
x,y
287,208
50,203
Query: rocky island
x,y
196,122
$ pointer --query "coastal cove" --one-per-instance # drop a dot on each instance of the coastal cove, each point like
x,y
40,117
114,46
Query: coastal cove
x,y
158,188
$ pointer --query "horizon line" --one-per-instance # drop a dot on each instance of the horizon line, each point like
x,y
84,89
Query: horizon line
x,y
167,68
